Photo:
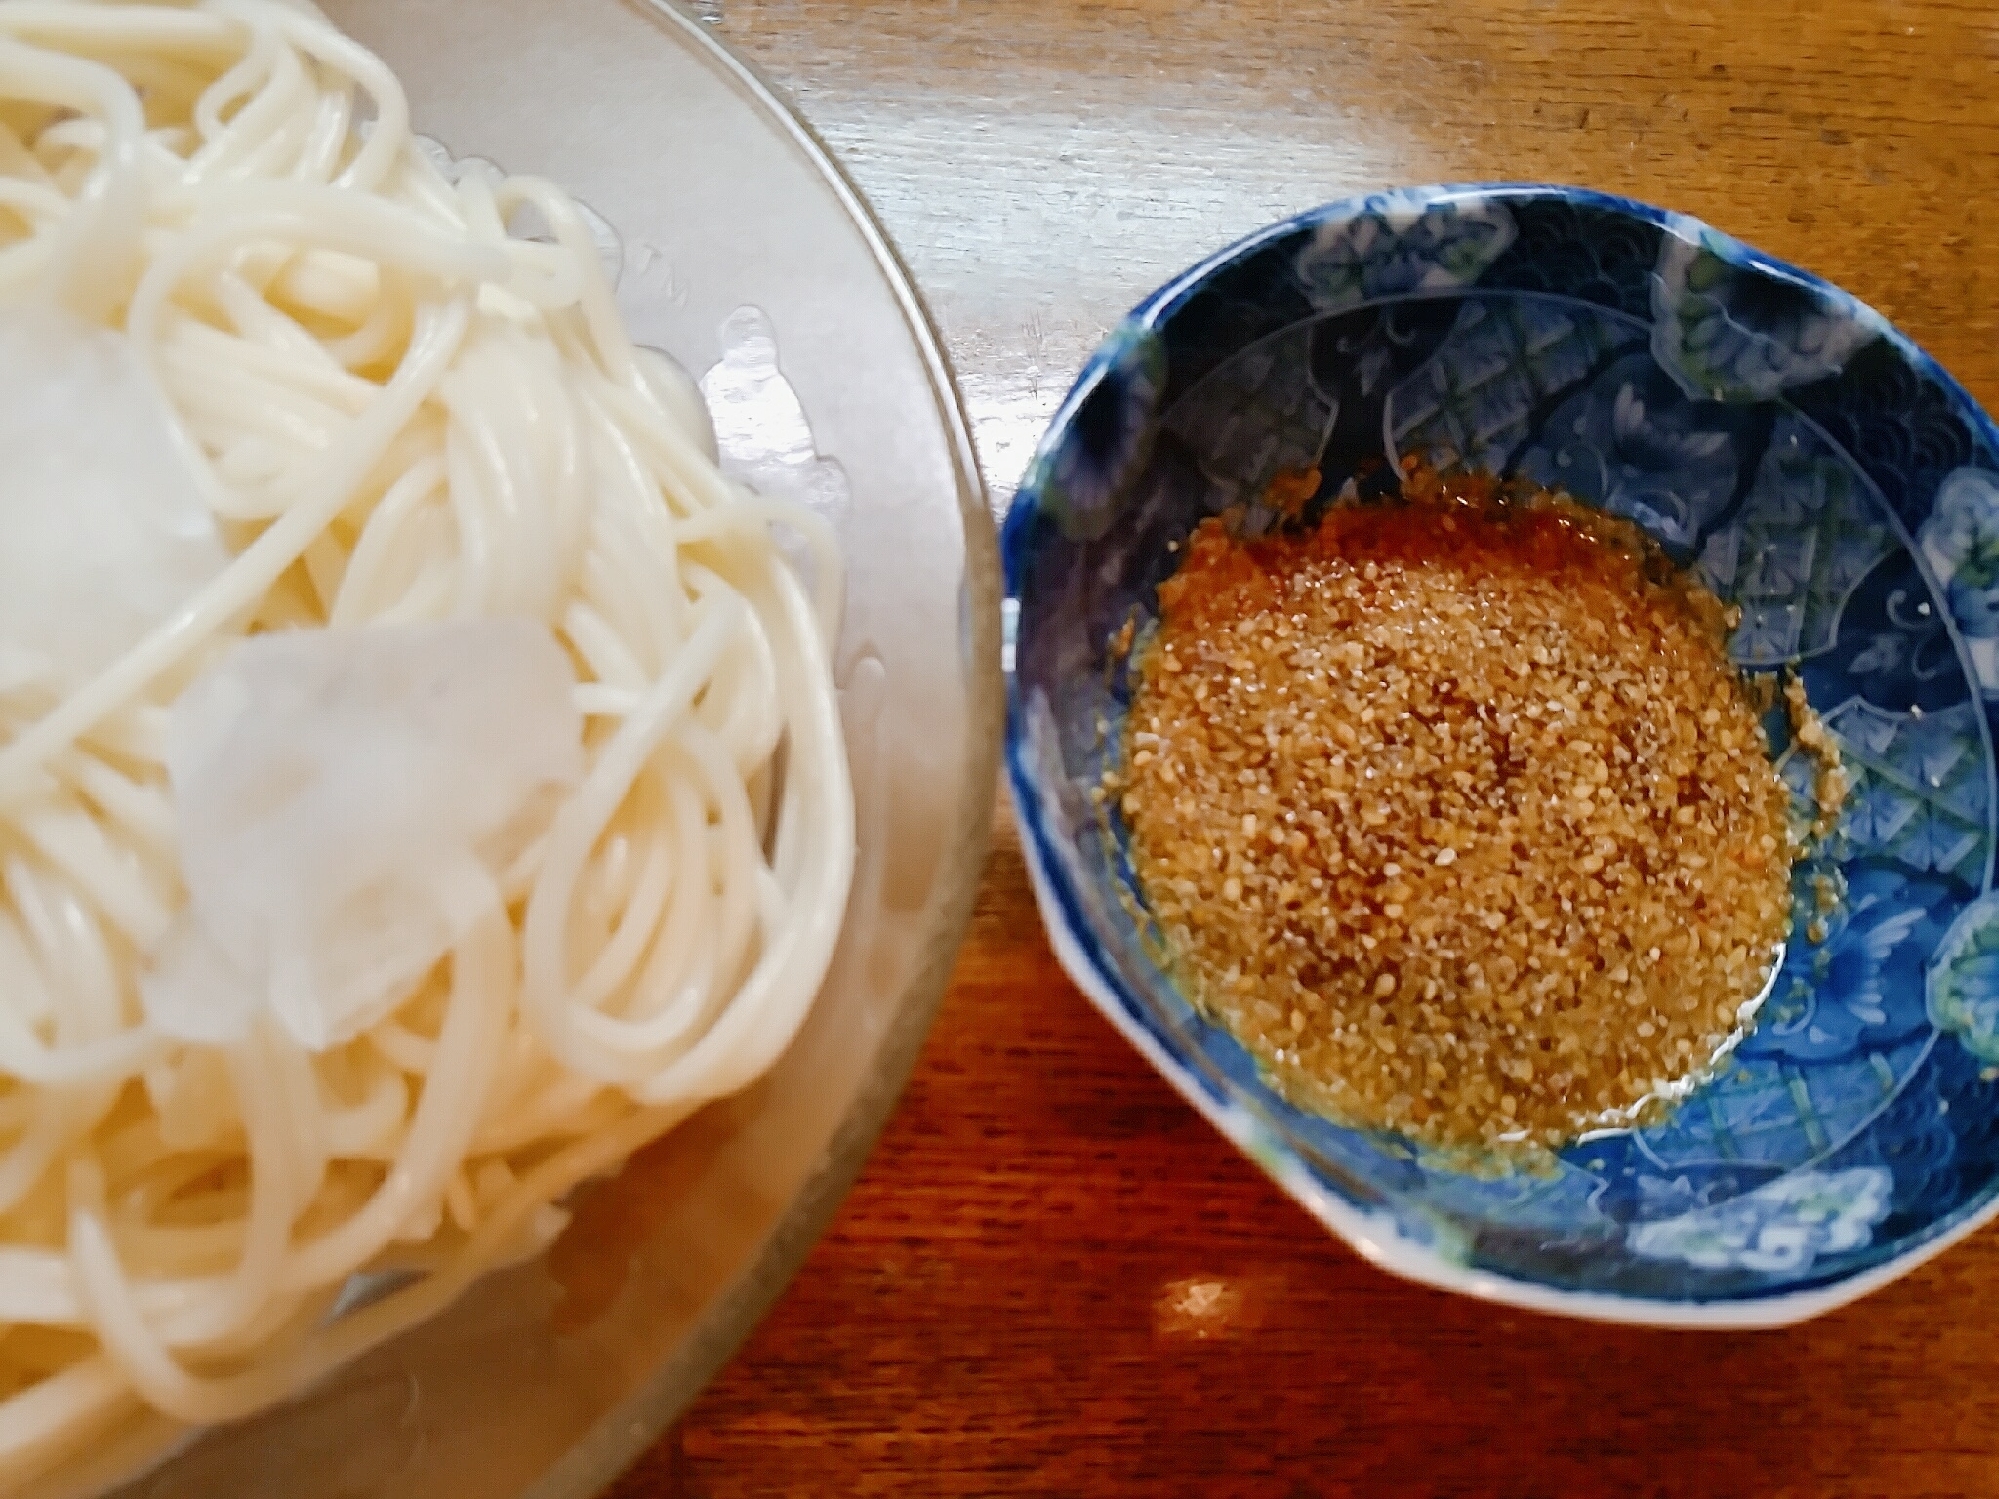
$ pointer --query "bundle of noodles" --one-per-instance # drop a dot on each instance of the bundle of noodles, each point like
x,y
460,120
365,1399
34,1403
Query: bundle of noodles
x,y
420,775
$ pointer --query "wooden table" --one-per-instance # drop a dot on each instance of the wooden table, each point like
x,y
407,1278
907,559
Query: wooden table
x,y
1052,1277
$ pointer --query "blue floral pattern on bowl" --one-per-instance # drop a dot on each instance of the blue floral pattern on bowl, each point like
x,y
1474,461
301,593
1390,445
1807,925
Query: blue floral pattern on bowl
x,y
1731,325
1964,980
1817,469
1779,1229
1960,541
1400,244
1113,413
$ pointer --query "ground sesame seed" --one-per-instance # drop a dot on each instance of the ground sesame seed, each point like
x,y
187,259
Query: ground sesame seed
x,y
1563,772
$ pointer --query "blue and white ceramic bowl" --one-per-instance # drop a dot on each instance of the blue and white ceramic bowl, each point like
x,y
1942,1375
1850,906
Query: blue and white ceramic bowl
x,y
1817,468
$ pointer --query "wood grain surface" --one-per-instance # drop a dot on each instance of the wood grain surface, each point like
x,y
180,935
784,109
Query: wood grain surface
x,y
1052,1277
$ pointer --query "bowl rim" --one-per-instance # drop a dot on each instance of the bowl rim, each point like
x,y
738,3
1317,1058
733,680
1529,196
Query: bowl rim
x,y
1375,1234
631,1426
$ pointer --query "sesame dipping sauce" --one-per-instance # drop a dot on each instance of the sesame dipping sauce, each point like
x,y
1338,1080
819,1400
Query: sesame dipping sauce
x,y
1455,812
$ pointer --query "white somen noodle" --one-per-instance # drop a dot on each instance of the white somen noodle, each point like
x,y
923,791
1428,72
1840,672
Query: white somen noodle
x,y
403,400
